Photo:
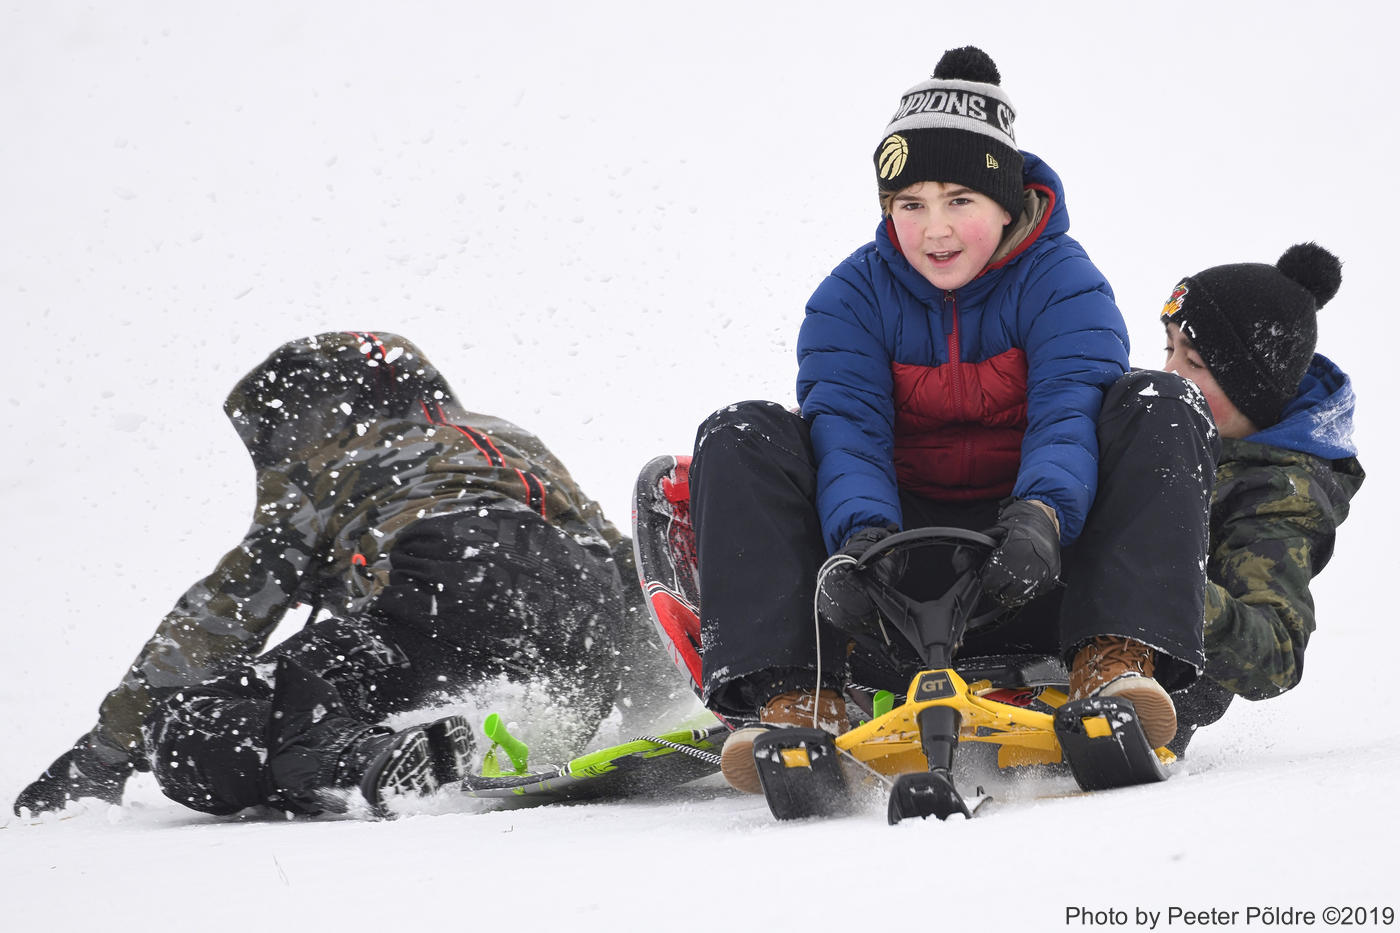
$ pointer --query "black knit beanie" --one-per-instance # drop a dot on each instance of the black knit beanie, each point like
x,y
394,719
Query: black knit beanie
x,y
1255,325
955,127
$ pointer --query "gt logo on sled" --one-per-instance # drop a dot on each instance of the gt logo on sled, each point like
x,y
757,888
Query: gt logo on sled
x,y
934,685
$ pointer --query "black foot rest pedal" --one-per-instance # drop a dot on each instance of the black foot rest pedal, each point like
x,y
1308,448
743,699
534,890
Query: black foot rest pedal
x,y
925,794
1104,744
801,773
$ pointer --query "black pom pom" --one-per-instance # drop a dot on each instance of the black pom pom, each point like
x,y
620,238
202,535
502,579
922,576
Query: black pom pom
x,y
1314,268
968,63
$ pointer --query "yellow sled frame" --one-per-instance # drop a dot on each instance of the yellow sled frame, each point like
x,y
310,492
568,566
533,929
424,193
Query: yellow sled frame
x,y
890,745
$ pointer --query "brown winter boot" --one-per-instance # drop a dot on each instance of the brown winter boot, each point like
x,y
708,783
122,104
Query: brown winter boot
x,y
1115,666
786,709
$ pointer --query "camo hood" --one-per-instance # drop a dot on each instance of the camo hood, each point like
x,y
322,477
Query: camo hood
x,y
313,390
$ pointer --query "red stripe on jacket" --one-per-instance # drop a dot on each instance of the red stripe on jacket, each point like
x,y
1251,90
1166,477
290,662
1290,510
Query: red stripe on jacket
x,y
536,496
958,427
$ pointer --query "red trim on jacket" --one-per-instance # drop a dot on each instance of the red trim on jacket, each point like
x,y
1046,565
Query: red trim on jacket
x,y
536,495
534,491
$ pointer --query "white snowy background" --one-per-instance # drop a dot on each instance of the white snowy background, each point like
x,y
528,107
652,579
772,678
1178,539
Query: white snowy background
x,y
602,221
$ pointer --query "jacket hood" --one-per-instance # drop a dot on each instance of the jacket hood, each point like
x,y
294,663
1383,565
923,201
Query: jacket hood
x,y
1039,174
1320,418
311,391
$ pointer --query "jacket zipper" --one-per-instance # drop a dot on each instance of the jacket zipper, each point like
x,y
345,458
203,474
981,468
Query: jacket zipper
x,y
950,300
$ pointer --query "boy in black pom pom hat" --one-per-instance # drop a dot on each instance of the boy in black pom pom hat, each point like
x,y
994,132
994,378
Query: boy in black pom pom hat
x,y
966,368
1245,334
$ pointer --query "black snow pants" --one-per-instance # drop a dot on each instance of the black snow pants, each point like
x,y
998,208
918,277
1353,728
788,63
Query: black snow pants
x,y
1137,569
494,590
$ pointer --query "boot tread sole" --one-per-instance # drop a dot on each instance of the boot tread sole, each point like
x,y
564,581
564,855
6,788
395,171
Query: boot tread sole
x,y
736,760
1154,707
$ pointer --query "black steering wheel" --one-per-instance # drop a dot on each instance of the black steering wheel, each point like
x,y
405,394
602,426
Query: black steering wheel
x,y
934,628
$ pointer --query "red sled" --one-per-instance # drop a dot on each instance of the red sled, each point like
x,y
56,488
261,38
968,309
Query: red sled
x,y
664,544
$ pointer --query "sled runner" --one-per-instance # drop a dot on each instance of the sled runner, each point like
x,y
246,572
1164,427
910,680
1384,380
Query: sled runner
x,y
1018,703
640,766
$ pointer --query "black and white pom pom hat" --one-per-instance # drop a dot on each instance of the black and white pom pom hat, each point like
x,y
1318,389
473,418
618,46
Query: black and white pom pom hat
x,y
956,127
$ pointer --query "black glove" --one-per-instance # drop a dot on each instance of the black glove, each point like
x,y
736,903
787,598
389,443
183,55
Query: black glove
x,y
843,599
93,767
1026,562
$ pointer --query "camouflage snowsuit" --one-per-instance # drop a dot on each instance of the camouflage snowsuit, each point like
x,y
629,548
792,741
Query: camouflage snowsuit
x,y
1279,497
374,485
1274,519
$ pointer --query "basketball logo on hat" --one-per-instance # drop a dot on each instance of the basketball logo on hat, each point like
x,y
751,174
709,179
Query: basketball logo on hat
x,y
1173,305
894,152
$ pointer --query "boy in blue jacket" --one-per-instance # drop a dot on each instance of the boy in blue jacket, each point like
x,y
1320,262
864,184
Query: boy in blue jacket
x,y
966,368
1245,334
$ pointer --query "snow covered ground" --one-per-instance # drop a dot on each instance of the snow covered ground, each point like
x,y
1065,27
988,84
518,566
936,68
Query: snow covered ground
x,y
602,221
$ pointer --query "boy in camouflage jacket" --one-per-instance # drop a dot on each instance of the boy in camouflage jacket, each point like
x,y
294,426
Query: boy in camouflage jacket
x,y
1245,333
441,548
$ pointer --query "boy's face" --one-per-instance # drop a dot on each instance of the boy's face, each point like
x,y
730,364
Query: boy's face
x,y
947,232
1183,360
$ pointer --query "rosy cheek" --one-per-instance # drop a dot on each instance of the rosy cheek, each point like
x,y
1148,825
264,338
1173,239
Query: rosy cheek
x,y
906,243
1220,408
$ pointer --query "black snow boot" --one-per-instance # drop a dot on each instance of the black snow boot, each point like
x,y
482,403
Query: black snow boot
x,y
320,754
1200,704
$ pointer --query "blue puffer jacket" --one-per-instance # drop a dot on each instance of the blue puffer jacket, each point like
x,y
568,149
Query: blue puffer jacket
x,y
990,390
